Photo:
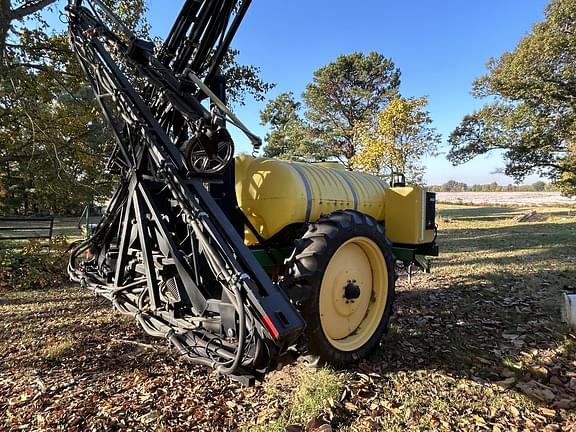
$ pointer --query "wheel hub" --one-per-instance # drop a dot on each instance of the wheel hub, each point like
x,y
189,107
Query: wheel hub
x,y
353,293
346,302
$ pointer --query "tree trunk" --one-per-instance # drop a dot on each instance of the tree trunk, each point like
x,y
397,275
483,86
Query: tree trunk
x,y
4,27
7,15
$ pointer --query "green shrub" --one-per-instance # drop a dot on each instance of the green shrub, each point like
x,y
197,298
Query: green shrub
x,y
34,266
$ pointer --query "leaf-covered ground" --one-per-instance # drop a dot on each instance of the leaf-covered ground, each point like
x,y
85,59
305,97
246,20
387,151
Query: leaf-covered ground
x,y
476,345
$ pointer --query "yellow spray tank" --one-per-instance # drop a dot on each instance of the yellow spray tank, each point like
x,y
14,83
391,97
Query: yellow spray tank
x,y
274,194
327,248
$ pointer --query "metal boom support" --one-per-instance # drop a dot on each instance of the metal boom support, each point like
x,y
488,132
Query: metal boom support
x,y
164,251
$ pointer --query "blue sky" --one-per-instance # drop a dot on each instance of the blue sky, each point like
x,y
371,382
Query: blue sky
x,y
440,46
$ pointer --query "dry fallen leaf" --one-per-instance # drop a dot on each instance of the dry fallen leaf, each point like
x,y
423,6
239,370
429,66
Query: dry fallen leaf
x,y
536,390
508,382
350,406
565,404
547,412
324,428
479,420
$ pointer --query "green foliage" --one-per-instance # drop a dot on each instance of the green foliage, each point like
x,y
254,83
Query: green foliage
x,y
242,80
54,157
533,115
397,141
55,143
57,350
539,186
13,14
316,391
34,267
290,136
345,93
450,186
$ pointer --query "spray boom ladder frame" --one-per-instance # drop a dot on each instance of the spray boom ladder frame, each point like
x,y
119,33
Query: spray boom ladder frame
x,y
164,251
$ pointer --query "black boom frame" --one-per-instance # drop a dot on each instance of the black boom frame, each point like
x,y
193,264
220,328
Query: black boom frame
x,y
164,251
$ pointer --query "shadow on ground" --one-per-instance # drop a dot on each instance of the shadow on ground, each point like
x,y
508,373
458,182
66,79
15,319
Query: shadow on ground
x,y
490,311
70,327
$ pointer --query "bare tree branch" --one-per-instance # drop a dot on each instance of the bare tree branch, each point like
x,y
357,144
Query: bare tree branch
x,y
29,8
44,68
40,48
7,15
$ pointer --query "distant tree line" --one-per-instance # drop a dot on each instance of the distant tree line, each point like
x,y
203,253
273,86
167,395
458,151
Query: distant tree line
x,y
455,186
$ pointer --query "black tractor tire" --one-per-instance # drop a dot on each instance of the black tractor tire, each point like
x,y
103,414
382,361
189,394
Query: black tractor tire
x,y
352,242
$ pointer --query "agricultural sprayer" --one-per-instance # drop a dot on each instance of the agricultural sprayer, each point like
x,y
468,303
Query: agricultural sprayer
x,y
233,260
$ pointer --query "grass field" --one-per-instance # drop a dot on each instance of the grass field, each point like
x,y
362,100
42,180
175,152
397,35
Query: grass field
x,y
476,345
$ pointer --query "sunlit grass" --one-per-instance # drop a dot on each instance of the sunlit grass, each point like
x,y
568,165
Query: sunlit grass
x,y
315,391
55,351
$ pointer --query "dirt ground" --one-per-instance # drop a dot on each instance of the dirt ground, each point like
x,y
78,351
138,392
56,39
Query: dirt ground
x,y
476,345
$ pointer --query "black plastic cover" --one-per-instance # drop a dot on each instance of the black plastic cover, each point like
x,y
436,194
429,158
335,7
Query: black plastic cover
x,y
430,210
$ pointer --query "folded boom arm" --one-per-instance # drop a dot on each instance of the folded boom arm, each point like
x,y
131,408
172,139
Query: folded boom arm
x,y
164,251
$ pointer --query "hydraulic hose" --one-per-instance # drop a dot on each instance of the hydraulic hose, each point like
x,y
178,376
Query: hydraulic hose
x,y
241,337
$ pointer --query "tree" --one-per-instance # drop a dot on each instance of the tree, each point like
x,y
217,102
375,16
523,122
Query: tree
x,y
55,143
539,186
349,91
12,12
398,140
453,186
532,117
242,80
290,136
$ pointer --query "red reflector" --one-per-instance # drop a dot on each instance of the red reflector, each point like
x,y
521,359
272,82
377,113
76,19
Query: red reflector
x,y
270,327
